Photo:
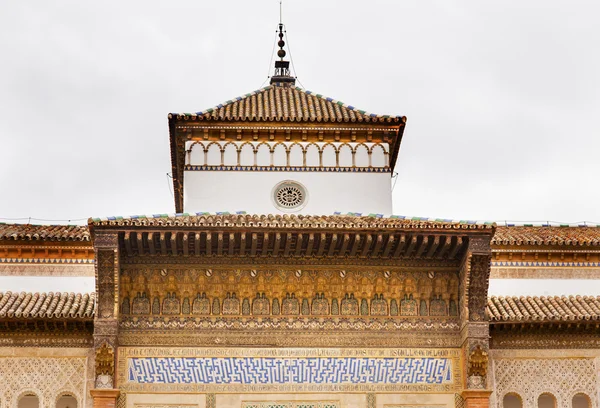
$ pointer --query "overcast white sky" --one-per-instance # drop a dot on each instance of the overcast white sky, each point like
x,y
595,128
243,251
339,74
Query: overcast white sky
x,y
502,97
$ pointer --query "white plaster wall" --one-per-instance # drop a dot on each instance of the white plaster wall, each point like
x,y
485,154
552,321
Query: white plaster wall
x,y
47,284
343,400
251,191
544,287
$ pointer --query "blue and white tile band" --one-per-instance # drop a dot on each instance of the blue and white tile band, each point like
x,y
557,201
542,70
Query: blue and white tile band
x,y
276,370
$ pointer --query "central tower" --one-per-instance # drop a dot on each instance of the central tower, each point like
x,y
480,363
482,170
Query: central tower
x,y
283,149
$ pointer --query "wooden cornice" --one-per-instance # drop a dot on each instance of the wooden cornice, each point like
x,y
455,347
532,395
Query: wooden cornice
x,y
248,243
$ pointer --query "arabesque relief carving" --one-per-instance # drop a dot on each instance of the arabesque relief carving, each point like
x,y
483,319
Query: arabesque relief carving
x,y
530,377
477,368
46,377
105,366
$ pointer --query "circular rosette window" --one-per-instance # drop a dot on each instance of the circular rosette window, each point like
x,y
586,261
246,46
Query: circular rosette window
x,y
289,196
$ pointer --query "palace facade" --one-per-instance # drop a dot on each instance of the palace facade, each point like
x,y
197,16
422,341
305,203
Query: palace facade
x,y
308,306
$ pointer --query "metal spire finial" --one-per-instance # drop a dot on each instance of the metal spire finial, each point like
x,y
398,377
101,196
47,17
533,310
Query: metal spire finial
x,y
282,68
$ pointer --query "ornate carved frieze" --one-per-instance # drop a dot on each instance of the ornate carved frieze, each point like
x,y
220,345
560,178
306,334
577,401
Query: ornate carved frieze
x,y
106,281
474,277
45,340
289,332
106,240
475,330
40,268
478,286
232,293
280,261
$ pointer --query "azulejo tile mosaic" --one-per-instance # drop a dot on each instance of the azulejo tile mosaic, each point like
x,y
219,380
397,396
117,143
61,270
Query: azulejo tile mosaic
x,y
250,370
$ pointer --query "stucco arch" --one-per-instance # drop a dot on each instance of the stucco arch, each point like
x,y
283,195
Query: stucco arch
x,y
296,155
263,154
516,394
247,154
280,153
361,155
197,154
68,392
30,391
312,155
345,155
213,154
230,154
329,155
548,394
583,395
378,155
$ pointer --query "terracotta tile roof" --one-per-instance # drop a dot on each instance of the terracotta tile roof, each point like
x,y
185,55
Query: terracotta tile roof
x,y
513,309
286,103
28,232
46,305
285,221
562,236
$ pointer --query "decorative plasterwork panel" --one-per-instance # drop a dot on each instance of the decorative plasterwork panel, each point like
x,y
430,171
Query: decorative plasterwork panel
x,y
413,406
165,405
84,268
529,378
47,378
291,404
289,370
559,271
283,333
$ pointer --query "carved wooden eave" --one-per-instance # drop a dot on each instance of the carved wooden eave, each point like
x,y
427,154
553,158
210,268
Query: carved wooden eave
x,y
545,334
44,332
184,128
331,237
